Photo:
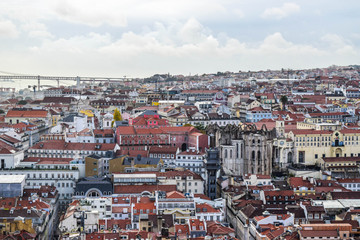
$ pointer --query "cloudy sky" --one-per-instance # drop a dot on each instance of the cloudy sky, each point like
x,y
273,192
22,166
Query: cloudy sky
x,y
138,38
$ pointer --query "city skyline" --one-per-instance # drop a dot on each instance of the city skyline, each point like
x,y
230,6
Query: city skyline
x,y
141,38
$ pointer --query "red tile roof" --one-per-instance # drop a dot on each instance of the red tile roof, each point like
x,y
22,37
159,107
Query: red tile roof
x,y
341,159
137,189
297,182
167,150
175,195
327,114
349,180
27,113
182,229
214,228
110,223
102,236
345,195
317,234
9,139
201,206
349,131
201,196
148,208
62,145
279,193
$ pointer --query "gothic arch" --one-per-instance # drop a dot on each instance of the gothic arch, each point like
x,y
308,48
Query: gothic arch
x,y
289,157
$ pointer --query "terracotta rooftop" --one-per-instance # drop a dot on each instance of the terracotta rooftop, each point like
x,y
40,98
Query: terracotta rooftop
x,y
28,113
137,189
317,234
62,145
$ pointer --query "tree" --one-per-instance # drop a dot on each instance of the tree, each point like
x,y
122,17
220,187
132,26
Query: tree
x,y
284,101
199,127
117,116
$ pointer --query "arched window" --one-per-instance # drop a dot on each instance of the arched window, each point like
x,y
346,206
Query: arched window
x,y
253,155
226,153
230,153
289,157
237,150
241,152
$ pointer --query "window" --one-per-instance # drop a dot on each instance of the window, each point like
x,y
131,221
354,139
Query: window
x,y
301,156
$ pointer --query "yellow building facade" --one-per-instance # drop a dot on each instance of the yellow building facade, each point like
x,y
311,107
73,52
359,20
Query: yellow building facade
x,y
16,225
310,146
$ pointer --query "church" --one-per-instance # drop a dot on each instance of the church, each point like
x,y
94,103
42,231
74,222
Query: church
x,y
244,149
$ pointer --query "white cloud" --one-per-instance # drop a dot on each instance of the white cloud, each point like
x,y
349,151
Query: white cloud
x,y
8,29
334,40
192,32
36,30
239,13
75,45
91,12
284,11
338,44
176,48
141,37
115,13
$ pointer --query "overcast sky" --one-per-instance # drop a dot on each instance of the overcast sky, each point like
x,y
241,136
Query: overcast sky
x,y
138,38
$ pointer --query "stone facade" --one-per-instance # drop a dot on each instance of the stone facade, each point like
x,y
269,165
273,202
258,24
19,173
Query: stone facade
x,y
243,149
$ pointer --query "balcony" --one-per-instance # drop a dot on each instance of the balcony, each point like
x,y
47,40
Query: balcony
x,y
337,144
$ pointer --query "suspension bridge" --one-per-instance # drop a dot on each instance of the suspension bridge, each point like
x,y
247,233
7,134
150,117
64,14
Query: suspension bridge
x,y
13,76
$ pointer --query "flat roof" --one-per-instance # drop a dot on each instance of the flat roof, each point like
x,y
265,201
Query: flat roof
x,y
328,204
347,203
136,175
12,178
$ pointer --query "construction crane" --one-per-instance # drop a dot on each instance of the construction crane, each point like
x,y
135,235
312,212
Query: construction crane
x,y
58,79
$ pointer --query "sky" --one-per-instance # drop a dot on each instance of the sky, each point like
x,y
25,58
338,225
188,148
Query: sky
x,y
139,38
